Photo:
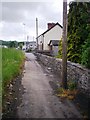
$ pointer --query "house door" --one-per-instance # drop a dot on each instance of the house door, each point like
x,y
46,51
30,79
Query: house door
x,y
50,47
42,46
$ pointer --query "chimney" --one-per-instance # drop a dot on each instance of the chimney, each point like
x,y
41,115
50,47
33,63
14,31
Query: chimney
x,y
50,25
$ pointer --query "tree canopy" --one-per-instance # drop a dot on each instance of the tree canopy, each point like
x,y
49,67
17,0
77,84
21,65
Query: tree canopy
x,y
78,29
78,36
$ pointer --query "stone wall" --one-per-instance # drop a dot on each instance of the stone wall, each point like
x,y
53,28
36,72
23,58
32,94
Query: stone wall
x,y
74,71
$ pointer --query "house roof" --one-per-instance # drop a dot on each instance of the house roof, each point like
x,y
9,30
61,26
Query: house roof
x,y
54,42
50,29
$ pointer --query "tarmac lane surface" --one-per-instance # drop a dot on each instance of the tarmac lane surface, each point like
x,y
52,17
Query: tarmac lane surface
x,y
38,99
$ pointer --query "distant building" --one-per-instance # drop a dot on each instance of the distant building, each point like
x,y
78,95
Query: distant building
x,y
32,45
49,40
29,45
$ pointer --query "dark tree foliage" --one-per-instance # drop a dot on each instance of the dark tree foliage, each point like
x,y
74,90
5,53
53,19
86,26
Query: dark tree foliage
x,y
86,53
9,43
78,29
60,49
13,44
78,41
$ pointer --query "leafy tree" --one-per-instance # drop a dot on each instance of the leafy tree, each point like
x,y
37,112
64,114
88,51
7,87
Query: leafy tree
x,y
77,29
78,40
20,44
60,49
86,53
13,44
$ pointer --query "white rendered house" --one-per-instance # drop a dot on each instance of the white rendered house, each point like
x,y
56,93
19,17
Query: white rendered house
x,y
54,32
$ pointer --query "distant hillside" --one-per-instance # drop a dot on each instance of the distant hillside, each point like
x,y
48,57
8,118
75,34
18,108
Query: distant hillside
x,y
11,43
2,42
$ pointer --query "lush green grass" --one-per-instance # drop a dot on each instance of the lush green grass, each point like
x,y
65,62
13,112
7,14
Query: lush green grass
x,y
0,78
12,61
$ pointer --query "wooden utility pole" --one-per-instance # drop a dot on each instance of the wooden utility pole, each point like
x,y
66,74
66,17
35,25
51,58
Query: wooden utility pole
x,y
24,34
37,31
64,46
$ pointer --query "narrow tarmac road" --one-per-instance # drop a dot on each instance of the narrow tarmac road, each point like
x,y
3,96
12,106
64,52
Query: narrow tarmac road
x,y
38,100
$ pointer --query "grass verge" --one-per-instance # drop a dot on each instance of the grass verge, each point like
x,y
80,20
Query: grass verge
x,y
0,82
12,61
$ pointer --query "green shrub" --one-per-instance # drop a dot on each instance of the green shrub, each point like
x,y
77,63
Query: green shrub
x,y
78,29
60,49
72,85
86,57
86,53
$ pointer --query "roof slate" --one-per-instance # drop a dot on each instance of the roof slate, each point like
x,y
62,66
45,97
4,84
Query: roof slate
x,y
54,42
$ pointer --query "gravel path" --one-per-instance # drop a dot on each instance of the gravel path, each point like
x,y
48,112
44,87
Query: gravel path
x,y
38,99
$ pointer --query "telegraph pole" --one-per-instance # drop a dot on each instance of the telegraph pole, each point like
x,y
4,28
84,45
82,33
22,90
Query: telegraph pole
x,y
64,46
25,34
37,31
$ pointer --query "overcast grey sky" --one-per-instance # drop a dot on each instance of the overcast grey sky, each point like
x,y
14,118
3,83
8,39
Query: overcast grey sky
x,y
14,14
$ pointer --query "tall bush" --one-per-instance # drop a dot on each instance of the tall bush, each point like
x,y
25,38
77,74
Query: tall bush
x,y
86,53
77,29
78,36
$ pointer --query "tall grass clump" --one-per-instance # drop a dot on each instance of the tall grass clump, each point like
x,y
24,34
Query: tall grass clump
x,y
0,79
12,61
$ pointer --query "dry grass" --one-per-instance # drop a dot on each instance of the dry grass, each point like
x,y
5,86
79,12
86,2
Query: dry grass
x,y
62,93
